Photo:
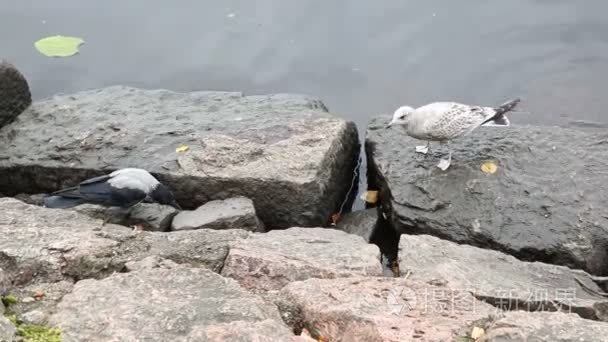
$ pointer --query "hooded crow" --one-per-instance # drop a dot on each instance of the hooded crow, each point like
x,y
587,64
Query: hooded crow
x,y
122,188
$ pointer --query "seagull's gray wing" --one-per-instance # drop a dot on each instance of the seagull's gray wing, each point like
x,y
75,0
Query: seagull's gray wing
x,y
451,120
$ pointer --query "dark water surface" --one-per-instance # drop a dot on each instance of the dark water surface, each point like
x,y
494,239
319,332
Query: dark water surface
x,y
361,57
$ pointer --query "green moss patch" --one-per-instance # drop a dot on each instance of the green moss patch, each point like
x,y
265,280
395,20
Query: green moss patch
x,y
30,332
35,332
9,300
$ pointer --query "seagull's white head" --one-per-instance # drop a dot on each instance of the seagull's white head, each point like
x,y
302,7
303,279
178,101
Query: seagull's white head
x,y
401,116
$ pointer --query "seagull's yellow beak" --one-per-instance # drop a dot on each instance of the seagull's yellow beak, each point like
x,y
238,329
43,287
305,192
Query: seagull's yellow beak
x,y
390,124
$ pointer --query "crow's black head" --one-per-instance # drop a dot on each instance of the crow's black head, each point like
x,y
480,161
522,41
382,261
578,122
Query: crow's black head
x,y
163,195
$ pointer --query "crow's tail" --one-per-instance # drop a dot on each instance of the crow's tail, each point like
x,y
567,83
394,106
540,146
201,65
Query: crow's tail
x,y
60,202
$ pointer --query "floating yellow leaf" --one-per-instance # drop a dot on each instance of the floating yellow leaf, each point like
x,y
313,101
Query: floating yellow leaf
x,y
58,46
370,196
182,148
489,167
477,333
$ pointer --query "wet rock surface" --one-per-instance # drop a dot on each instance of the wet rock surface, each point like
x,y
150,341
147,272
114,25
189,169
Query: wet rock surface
x,y
500,279
543,327
231,213
379,309
271,260
544,203
181,304
15,94
296,169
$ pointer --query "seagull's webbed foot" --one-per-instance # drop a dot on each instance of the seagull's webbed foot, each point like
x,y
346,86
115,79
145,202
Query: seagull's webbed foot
x,y
445,163
424,149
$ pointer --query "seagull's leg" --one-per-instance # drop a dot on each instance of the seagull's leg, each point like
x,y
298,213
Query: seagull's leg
x,y
424,149
443,163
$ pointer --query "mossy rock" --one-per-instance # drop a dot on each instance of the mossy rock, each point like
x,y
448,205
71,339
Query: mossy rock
x,y
8,300
15,94
35,332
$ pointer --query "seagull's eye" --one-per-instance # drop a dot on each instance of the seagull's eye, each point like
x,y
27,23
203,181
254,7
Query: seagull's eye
x,y
402,116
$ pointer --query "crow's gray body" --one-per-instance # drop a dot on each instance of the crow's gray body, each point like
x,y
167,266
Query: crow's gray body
x,y
122,188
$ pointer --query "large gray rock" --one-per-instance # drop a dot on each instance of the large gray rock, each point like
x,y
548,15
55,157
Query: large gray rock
x,y
379,309
15,94
41,245
543,327
166,302
231,213
150,216
200,248
361,222
8,332
285,152
500,279
546,202
269,261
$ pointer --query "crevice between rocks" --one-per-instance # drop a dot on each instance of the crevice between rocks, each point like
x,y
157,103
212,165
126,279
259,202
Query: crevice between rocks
x,y
385,236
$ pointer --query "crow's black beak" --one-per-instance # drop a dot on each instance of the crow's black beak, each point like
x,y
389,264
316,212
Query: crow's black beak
x,y
175,205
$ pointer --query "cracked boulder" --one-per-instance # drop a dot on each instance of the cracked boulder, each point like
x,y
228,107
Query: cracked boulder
x,y
379,309
500,279
231,213
286,153
41,245
545,202
269,261
542,327
15,94
181,304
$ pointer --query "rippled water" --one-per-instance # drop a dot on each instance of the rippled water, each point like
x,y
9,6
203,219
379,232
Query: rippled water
x,y
361,57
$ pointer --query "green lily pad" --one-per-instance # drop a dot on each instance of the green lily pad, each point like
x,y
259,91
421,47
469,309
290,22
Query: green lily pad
x,y
58,46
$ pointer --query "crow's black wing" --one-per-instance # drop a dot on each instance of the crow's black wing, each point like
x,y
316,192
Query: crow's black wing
x,y
73,192
97,190
96,179
104,193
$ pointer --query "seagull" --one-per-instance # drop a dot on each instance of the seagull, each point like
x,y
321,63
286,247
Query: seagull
x,y
121,188
444,121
